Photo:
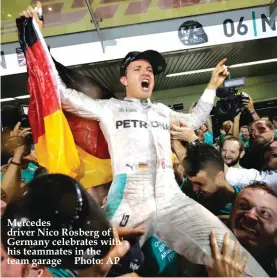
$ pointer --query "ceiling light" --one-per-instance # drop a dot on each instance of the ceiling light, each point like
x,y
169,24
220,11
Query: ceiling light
x,y
230,67
189,72
22,97
6,99
254,63
49,9
9,15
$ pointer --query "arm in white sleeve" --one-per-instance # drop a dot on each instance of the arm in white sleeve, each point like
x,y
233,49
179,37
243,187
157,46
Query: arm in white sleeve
x,y
80,104
243,177
200,112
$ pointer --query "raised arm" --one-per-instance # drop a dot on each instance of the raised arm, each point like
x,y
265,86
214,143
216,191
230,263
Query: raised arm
x,y
249,104
236,125
72,101
202,110
80,104
12,177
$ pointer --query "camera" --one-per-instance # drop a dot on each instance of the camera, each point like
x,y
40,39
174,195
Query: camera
x,y
231,102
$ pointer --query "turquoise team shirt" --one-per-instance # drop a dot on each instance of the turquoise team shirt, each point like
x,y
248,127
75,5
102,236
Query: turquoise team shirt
x,y
209,138
226,210
27,174
60,272
245,142
159,259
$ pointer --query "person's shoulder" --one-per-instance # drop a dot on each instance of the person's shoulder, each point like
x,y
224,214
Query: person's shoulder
x,y
161,107
112,103
110,100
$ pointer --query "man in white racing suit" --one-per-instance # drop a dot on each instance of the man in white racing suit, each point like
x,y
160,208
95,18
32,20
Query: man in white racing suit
x,y
144,192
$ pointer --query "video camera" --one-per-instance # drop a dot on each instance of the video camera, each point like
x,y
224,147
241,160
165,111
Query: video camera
x,y
231,102
10,116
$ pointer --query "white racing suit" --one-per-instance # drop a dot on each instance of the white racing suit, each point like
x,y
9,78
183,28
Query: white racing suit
x,y
144,192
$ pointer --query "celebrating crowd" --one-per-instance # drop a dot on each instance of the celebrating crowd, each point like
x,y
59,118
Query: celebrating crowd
x,y
183,202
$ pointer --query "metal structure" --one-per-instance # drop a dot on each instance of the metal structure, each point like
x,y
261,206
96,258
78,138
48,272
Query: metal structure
x,y
95,21
107,72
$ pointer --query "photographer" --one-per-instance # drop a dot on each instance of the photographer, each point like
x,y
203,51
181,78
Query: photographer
x,y
12,178
249,105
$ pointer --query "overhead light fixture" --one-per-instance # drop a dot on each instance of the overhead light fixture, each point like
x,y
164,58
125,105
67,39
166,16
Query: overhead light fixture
x,y
49,9
22,97
189,72
14,98
254,63
9,15
6,99
230,67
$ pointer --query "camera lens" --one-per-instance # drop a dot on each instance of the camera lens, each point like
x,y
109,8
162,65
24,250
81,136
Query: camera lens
x,y
225,108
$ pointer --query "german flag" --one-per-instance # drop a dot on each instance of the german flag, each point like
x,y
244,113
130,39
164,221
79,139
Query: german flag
x,y
53,131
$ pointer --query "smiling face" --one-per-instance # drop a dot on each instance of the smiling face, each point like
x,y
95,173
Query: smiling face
x,y
254,219
206,182
231,153
245,133
139,80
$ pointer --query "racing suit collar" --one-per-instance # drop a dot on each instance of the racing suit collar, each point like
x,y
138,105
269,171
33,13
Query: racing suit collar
x,y
143,102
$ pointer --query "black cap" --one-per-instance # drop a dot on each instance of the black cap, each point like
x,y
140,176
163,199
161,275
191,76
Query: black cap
x,y
63,213
156,60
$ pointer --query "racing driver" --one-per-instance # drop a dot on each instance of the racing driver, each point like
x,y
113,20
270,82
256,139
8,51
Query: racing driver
x,y
144,192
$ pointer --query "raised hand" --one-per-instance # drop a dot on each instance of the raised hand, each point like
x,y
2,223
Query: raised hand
x,y
218,76
225,263
30,12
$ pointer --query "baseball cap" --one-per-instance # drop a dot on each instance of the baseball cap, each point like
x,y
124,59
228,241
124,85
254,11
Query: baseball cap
x,y
155,59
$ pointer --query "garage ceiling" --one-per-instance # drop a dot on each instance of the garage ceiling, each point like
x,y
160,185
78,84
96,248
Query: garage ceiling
x,y
108,72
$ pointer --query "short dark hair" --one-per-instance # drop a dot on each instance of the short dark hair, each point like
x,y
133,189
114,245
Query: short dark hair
x,y
274,119
245,126
268,123
200,157
233,138
261,186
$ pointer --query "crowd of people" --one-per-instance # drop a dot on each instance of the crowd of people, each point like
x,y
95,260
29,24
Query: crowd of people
x,y
183,203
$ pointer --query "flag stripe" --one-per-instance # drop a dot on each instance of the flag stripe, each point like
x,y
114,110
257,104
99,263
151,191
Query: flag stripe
x,y
56,149
95,171
46,78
